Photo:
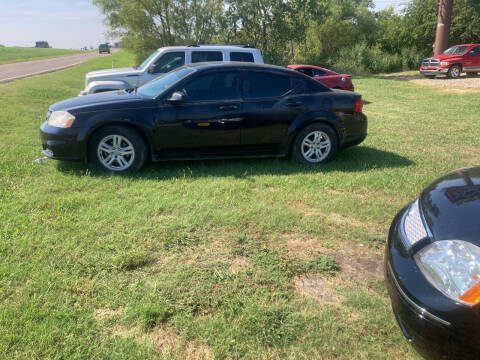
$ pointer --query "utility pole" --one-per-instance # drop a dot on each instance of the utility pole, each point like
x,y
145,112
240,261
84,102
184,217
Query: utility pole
x,y
443,26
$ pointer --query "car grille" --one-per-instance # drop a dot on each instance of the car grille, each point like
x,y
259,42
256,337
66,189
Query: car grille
x,y
431,62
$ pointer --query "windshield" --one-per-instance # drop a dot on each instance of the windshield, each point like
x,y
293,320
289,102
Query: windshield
x,y
456,50
147,60
162,83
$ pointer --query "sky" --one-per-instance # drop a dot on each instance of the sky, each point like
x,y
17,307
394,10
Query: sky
x,y
67,24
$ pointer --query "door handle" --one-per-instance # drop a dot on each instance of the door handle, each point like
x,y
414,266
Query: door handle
x,y
294,104
228,107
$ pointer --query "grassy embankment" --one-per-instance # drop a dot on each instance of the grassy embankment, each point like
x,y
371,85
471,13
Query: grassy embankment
x,y
17,54
209,258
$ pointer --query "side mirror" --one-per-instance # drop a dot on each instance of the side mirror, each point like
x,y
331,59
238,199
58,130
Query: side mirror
x,y
153,69
177,98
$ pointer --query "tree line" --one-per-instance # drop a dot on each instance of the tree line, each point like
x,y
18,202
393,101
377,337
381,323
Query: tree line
x,y
346,35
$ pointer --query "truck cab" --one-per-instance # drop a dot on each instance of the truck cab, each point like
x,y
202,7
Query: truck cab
x,y
453,62
164,60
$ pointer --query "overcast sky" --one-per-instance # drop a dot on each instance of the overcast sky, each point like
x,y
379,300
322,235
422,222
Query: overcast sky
x,y
64,23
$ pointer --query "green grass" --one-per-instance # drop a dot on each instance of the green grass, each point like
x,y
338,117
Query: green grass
x,y
200,259
18,54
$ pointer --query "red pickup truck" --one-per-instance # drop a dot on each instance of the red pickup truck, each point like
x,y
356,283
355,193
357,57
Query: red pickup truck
x,y
454,61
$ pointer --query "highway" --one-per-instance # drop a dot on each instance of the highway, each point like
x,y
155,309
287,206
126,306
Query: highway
x,y
20,70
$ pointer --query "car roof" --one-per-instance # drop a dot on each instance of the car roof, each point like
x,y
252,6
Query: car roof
x,y
466,45
237,65
210,47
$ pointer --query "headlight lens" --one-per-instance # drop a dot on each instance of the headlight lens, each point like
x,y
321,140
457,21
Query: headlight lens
x,y
413,227
61,119
444,63
453,267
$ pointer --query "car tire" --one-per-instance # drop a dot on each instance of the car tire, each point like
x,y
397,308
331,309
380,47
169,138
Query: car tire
x,y
454,72
117,149
315,144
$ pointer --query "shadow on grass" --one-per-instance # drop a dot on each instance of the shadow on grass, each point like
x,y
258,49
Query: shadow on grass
x,y
355,159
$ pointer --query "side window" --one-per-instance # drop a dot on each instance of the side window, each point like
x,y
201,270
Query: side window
x,y
266,84
306,71
317,72
241,56
169,62
212,87
203,56
476,51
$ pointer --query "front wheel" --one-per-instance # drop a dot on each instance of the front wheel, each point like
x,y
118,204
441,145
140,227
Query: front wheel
x,y
117,149
454,72
316,144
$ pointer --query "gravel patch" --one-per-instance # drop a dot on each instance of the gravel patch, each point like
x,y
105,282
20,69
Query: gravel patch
x,y
463,82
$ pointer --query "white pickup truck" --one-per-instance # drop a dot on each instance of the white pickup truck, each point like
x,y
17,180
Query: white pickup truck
x,y
164,60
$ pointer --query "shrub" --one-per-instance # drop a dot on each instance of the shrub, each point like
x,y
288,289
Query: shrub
x,y
411,58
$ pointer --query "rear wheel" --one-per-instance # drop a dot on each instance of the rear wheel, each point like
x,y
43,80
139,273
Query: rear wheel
x,y
316,144
454,72
118,149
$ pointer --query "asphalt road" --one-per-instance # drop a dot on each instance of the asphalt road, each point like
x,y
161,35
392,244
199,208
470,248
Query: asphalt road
x,y
20,70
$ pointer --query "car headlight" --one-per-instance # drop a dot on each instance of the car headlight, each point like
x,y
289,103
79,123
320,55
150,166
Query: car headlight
x,y
453,267
444,63
61,119
412,226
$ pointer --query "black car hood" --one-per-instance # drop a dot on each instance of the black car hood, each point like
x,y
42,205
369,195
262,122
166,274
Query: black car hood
x,y
451,206
110,99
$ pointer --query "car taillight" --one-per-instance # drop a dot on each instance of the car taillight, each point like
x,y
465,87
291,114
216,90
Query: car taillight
x,y
358,106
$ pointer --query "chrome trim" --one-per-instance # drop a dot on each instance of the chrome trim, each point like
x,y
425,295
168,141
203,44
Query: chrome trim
x,y
425,225
418,308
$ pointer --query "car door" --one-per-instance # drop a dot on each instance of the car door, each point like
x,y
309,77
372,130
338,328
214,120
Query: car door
x,y
474,56
270,106
210,118
165,63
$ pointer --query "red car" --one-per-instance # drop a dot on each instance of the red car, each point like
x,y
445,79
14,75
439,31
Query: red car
x,y
327,77
454,61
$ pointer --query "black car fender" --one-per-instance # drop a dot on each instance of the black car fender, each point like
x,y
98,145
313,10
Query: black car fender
x,y
315,116
142,125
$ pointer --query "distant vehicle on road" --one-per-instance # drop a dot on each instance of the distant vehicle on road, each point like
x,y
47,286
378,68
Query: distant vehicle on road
x,y
104,48
453,61
327,77
207,110
42,44
164,60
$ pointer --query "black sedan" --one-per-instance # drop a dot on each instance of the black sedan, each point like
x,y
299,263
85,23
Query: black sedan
x,y
432,266
209,110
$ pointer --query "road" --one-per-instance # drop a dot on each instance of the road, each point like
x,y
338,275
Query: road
x,y
20,70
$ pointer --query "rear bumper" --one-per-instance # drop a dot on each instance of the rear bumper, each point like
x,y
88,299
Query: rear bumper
x,y
61,144
359,134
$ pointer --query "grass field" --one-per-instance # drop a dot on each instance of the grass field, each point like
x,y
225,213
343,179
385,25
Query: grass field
x,y
241,259
18,54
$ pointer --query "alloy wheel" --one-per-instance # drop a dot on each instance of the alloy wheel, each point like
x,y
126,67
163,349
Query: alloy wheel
x,y
316,146
116,152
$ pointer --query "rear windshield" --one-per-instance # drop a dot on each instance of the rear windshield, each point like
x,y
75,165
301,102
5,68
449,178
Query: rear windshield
x,y
162,83
456,50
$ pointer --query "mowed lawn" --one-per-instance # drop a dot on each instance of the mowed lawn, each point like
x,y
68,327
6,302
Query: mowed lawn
x,y
18,54
239,259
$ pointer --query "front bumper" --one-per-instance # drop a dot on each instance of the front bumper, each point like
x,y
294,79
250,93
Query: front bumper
x,y
61,144
436,326
433,71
